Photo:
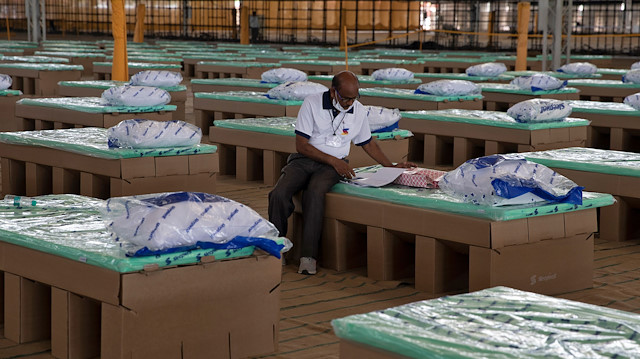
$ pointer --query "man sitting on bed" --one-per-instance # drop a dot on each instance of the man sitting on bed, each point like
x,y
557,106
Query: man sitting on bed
x,y
326,125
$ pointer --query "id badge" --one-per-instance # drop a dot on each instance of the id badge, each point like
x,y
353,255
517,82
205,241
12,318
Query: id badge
x,y
333,141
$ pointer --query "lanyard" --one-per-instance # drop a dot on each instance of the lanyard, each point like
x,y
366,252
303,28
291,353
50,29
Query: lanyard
x,y
339,123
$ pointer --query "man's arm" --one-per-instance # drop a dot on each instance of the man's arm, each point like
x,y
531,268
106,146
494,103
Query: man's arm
x,y
304,148
374,151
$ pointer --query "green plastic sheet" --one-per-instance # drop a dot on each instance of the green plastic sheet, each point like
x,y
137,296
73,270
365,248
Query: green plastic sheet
x,y
285,126
70,54
158,57
239,64
464,76
389,61
220,57
608,108
589,160
560,75
93,141
508,88
236,82
71,226
489,118
603,83
91,104
496,323
619,72
36,59
409,94
142,65
6,93
365,79
437,200
320,62
42,66
245,96
106,84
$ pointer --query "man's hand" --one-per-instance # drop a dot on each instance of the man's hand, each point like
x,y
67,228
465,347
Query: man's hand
x,y
343,168
405,165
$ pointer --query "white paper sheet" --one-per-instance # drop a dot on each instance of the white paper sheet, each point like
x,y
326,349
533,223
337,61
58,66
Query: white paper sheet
x,y
383,176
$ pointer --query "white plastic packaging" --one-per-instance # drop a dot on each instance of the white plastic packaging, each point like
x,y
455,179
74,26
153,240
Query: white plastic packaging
x,y
538,82
633,100
5,81
283,74
579,68
156,78
635,66
632,76
177,219
20,201
382,118
153,134
449,88
500,180
128,95
296,91
392,74
539,110
488,69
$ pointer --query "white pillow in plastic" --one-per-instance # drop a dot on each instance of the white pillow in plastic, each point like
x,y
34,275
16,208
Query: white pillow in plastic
x,y
538,82
579,68
500,180
283,74
156,78
488,69
392,74
296,91
539,110
382,118
635,66
128,95
177,219
632,76
633,100
153,134
449,88
5,81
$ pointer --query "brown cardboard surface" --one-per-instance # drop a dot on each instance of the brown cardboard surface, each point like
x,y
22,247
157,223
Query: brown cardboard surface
x,y
137,167
75,323
27,308
7,108
546,267
546,227
204,163
172,165
352,350
201,182
440,266
579,222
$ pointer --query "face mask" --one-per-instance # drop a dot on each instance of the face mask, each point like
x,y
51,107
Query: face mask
x,y
339,107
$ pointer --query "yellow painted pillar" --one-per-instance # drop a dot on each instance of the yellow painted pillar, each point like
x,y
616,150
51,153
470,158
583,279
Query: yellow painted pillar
x,y
138,33
244,25
524,13
492,16
119,68
343,29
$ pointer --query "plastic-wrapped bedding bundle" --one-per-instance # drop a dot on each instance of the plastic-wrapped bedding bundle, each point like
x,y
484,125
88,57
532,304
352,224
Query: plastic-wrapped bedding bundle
x,y
504,180
156,78
135,96
538,82
635,66
633,100
139,133
449,88
297,91
579,68
382,119
154,223
632,77
488,69
5,81
392,74
283,74
539,110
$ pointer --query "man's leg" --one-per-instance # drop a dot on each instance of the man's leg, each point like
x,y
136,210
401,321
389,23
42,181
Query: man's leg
x,y
294,177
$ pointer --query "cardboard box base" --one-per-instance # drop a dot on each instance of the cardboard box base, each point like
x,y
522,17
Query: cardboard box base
x,y
353,350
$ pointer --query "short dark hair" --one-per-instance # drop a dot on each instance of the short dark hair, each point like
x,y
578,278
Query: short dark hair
x,y
337,79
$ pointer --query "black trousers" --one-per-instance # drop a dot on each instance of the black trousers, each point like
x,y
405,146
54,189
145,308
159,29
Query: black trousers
x,y
315,179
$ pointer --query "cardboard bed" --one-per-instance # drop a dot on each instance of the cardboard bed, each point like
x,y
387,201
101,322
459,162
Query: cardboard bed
x,y
427,77
498,322
33,59
612,74
322,67
556,74
613,126
226,69
208,107
447,245
230,84
451,137
614,172
367,81
368,66
78,289
499,97
40,79
257,148
102,70
190,59
67,112
95,88
407,100
79,161
443,64
8,99
604,90
84,59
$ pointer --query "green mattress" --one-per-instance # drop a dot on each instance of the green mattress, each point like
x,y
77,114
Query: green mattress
x,y
560,75
70,54
156,58
36,59
239,64
603,83
285,126
41,67
106,84
236,82
410,95
7,93
218,57
589,160
496,323
389,61
320,62
606,108
364,79
435,199
92,141
470,60
71,226
464,76
489,118
141,65
245,96
508,88
619,72
91,105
